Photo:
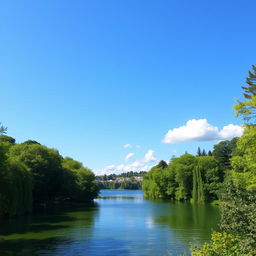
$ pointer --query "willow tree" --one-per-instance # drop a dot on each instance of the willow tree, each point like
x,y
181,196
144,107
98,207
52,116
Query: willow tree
x,y
198,189
15,184
16,189
45,165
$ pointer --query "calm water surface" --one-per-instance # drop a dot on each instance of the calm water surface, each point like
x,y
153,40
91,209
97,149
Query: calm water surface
x,y
119,223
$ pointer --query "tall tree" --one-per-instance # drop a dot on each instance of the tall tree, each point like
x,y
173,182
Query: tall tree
x,y
162,164
198,190
223,152
199,153
3,129
45,166
247,108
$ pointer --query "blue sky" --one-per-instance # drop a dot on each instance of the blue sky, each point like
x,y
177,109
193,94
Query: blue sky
x,y
87,77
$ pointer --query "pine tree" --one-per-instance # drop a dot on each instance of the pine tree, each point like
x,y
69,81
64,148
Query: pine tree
x,y
250,91
3,129
203,152
199,151
247,108
162,164
209,153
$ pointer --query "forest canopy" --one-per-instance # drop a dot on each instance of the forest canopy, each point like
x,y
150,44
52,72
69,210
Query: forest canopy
x,y
32,174
191,178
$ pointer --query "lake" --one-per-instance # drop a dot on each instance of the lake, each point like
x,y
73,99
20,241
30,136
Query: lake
x,y
119,223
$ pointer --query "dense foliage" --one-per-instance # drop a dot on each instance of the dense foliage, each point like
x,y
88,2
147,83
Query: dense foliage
x,y
238,210
247,108
188,177
221,244
34,174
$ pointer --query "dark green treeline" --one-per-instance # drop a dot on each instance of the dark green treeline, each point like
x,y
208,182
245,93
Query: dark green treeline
x,y
196,178
32,174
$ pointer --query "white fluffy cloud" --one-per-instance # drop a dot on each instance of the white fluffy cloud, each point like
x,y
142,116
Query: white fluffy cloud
x,y
127,146
230,131
144,164
201,130
128,156
149,156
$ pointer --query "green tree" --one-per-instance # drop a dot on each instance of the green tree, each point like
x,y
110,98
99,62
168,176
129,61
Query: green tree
x,y
79,182
223,152
212,176
18,188
31,173
45,166
5,138
209,153
15,184
221,244
162,164
199,153
198,190
183,167
3,129
207,179
154,183
244,163
246,108
174,182
238,215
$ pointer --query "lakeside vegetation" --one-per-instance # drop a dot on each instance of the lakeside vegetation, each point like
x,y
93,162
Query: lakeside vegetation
x,y
127,180
191,178
238,211
229,175
32,174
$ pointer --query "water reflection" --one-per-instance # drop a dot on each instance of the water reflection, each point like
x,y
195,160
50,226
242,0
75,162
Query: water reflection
x,y
118,223
35,235
191,223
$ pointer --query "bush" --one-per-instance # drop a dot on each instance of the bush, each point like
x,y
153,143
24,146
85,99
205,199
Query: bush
x,y
221,244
